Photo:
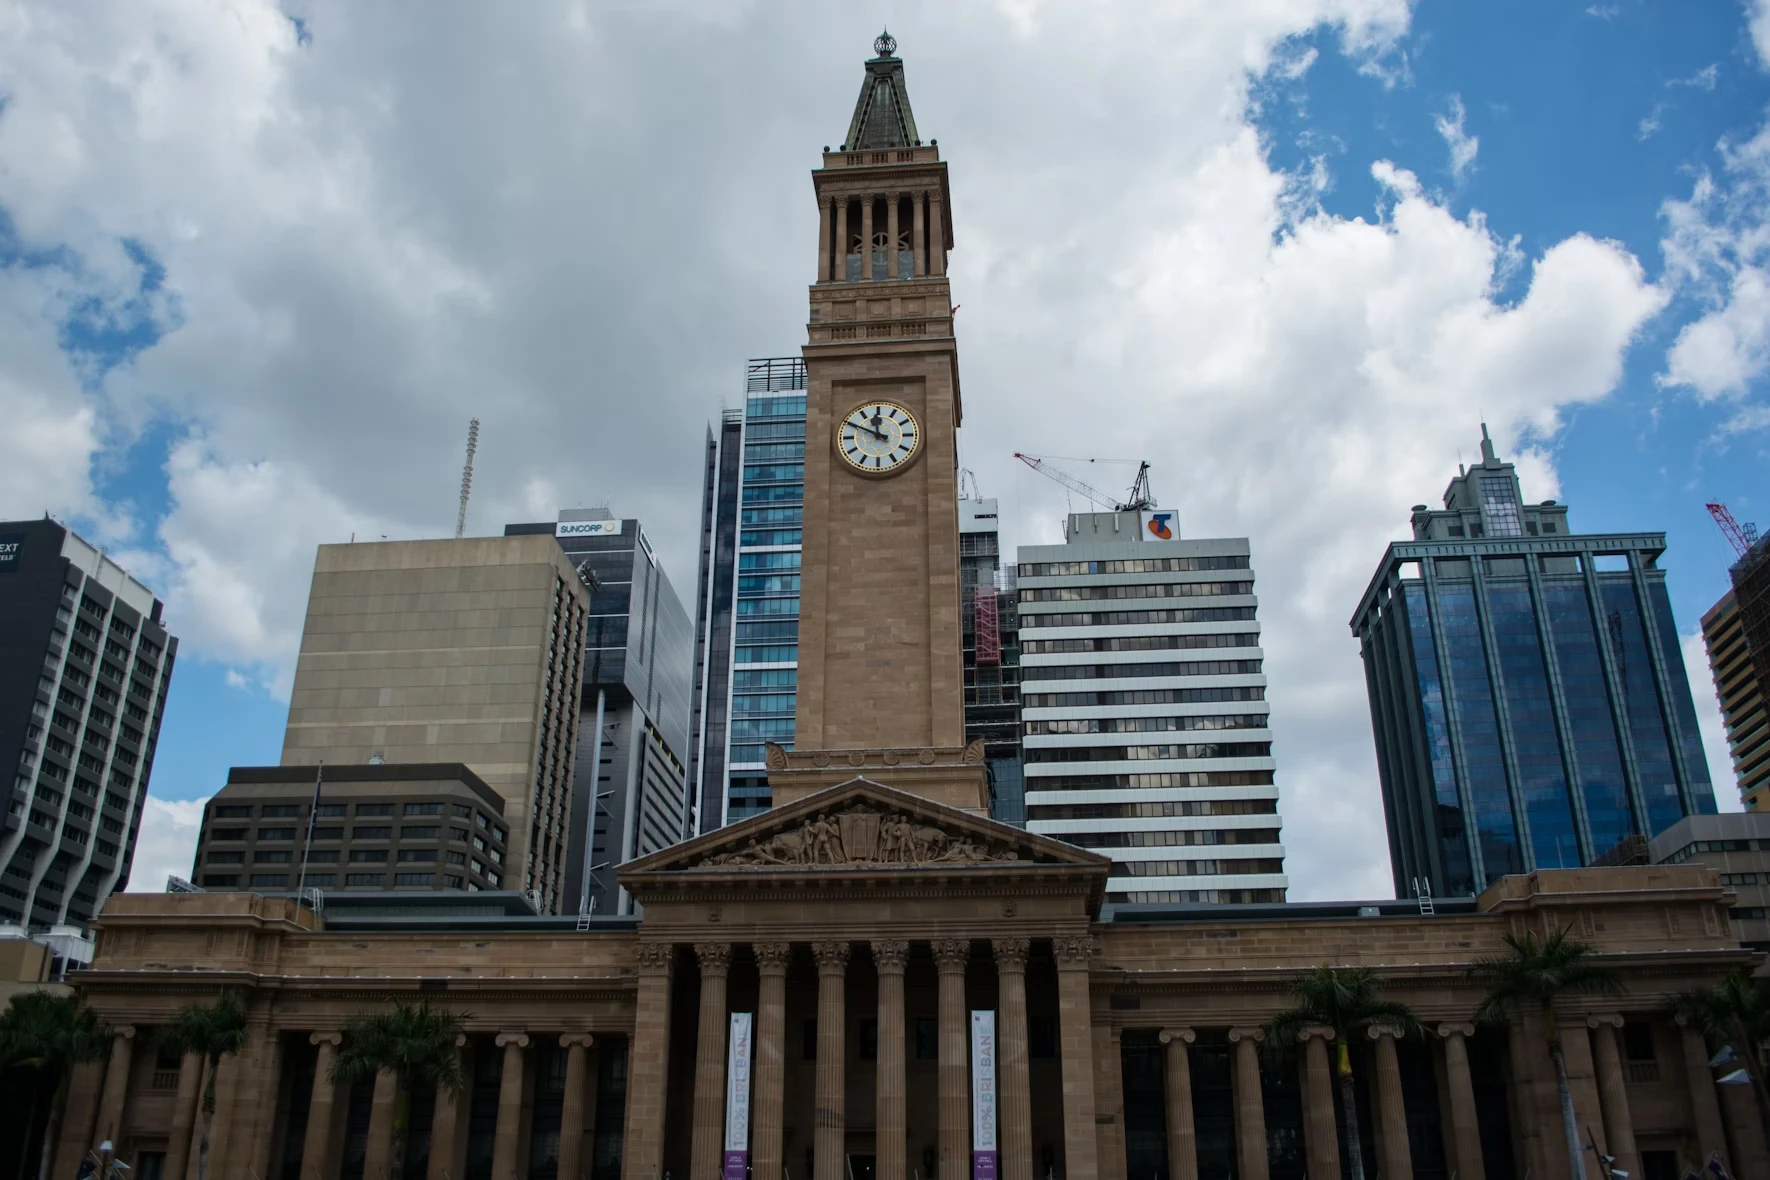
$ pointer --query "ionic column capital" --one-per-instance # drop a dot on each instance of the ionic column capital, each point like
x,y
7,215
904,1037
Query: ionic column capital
x,y
576,1041
332,1038
506,1039
125,1031
1253,1033
832,957
1074,952
1449,1030
1010,953
714,957
1377,1032
951,954
1600,1019
656,958
889,955
772,957
1185,1036
1314,1031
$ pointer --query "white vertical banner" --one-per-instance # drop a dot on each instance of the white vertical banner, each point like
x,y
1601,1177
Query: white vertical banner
x,y
983,1095
737,1098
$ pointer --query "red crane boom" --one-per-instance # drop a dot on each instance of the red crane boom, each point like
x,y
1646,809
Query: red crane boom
x,y
1741,536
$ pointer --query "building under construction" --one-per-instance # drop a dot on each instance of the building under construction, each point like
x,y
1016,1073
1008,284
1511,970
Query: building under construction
x,y
991,621
1736,631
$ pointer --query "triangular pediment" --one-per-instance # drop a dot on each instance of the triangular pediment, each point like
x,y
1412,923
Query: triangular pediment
x,y
861,825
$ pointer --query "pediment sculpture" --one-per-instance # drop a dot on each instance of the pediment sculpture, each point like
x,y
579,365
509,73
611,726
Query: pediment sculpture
x,y
859,836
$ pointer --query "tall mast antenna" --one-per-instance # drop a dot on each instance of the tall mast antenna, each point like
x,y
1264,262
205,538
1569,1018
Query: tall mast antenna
x,y
467,477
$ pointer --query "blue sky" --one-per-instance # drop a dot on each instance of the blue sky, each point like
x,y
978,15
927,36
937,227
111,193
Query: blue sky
x,y
253,285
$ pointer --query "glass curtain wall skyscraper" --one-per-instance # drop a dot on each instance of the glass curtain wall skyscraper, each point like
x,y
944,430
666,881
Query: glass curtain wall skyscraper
x,y
1527,691
748,631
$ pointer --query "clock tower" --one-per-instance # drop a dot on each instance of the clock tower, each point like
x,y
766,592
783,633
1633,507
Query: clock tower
x,y
881,671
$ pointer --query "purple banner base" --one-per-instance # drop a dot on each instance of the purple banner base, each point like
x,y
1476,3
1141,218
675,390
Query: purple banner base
x,y
737,1165
983,1165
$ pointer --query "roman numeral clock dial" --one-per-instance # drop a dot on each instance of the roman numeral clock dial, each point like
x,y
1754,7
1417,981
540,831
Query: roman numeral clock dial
x,y
878,438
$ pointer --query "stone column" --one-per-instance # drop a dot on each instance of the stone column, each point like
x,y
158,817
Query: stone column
x,y
936,235
648,1064
1705,1107
1182,1140
707,1141
769,1104
1739,1107
504,1144
571,1113
1250,1106
891,235
316,1147
79,1115
1109,1099
1613,1094
1465,1128
1318,1110
448,1125
184,1116
824,230
1075,954
830,1119
890,1118
116,1086
1398,1162
1014,1100
839,265
379,1154
919,233
866,272
950,957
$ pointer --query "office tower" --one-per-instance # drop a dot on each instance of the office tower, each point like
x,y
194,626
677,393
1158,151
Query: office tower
x,y
379,826
991,619
85,660
1740,689
747,632
1737,846
464,650
636,691
1527,691
1143,702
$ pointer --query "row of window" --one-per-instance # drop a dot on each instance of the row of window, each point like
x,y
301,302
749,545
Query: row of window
x,y
338,810
1132,565
1139,643
1152,781
763,584
767,607
1689,850
1195,868
1129,618
1160,590
1143,696
1170,809
1171,839
1044,754
771,537
1120,671
1146,724
363,832
768,561
330,880
1206,896
770,654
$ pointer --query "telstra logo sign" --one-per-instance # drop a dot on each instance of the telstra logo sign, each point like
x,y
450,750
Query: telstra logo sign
x,y
1157,524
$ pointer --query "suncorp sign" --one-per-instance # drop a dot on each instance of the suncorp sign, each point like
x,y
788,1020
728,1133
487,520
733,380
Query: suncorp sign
x,y
587,528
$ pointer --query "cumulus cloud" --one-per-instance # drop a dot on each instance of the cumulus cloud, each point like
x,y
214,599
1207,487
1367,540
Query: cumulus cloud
x,y
167,843
1463,146
560,220
1757,14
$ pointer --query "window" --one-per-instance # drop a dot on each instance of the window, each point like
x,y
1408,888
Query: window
x,y
479,868
459,834
423,809
460,810
323,856
221,880
927,1040
368,856
270,880
479,843
413,878
228,834
428,833
329,811
279,811
276,833
1499,504
322,880
371,833
450,881
496,880
416,855
226,858
497,856
328,833
483,821
264,857
499,834
222,811
374,809
456,858
375,879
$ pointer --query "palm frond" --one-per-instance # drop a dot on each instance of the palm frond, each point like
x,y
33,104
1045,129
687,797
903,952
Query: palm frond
x,y
1537,970
1345,999
414,1040
47,1032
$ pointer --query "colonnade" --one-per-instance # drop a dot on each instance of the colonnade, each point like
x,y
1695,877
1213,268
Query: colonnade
x,y
927,234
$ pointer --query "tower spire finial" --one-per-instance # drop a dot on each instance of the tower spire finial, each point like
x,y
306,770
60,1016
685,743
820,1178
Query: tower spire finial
x,y
884,45
1486,445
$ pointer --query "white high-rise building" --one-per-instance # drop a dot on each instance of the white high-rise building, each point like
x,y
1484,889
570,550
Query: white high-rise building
x,y
1144,709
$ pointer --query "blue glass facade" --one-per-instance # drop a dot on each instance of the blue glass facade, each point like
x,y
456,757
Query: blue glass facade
x,y
751,663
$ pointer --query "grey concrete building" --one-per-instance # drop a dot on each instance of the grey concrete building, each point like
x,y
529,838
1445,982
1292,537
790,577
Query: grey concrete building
x,y
466,650
1527,691
85,662
1737,846
1143,704
630,795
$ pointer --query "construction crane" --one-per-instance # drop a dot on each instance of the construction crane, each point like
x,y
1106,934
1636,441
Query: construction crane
x,y
1141,497
1741,536
467,477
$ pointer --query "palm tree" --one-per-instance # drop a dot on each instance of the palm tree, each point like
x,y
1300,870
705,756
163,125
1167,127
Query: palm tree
x,y
1533,974
1344,999
215,1031
416,1042
1735,1011
48,1033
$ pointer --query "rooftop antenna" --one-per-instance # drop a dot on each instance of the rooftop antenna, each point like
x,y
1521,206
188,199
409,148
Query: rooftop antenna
x,y
467,477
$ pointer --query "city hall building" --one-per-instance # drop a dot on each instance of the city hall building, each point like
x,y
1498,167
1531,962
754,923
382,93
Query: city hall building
x,y
874,980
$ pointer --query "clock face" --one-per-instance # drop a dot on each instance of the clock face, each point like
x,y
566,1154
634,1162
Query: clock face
x,y
878,437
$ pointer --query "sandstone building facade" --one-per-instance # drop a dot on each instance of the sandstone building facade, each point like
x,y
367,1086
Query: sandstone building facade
x,y
864,919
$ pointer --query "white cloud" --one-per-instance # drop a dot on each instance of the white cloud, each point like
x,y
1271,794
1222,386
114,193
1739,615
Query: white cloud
x,y
1757,14
1703,79
1604,12
375,236
167,845
1708,719
1651,122
1463,146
